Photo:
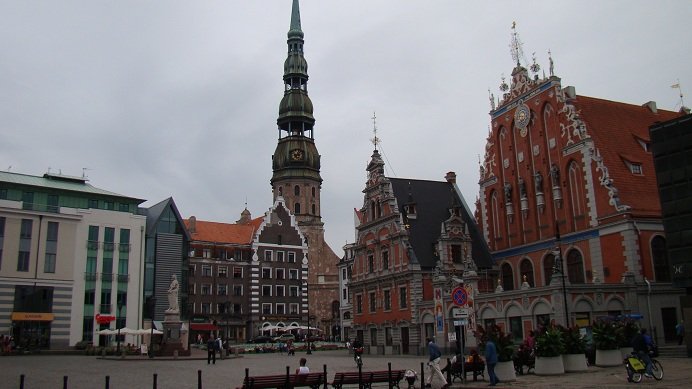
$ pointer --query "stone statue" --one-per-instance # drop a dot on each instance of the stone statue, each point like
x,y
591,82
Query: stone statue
x,y
538,182
555,175
522,188
173,295
508,192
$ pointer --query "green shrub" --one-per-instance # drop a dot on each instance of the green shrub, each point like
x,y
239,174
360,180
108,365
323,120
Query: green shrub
x,y
573,340
503,342
607,334
550,343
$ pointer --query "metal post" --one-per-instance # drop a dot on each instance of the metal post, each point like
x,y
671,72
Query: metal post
x,y
64,382
21,381
155,379
648,306
151,336
307,291
199,379
562,271
108,382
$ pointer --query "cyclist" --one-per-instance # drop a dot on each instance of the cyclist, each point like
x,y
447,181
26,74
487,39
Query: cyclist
x,y
641,344
357,348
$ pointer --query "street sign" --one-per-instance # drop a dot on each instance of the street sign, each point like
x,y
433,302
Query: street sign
x,y
460,313
459,296
462,322
452,336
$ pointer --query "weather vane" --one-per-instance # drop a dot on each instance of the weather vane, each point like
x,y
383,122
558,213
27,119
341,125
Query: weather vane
x,y
516,45
375,141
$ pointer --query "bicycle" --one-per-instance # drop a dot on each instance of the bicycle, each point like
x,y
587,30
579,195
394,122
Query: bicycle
x,y
357,352
636,368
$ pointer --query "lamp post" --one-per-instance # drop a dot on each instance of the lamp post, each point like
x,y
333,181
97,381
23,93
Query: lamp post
x,y
120,314
190,309
307,290
152,300
560,265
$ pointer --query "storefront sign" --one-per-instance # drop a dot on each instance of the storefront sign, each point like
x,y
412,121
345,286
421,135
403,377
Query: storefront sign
x,y
32,316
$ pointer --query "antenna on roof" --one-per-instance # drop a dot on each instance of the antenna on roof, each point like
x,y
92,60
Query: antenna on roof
x,y
84,170
377,141
681,103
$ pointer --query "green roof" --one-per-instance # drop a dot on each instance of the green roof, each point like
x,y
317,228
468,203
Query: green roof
x,y
59,182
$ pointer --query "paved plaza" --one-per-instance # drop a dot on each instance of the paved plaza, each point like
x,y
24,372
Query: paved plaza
x,y
88,372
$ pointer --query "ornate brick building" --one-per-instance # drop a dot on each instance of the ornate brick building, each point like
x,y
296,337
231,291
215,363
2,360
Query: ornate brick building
x,y
567,187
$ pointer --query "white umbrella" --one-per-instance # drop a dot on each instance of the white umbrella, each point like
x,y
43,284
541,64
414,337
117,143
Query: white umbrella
x,y
126,331
107,331
146,331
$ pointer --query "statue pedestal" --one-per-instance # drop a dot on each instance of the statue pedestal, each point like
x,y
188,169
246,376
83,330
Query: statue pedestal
x,y
172,340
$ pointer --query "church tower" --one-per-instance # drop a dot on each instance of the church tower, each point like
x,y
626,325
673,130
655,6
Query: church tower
x,y
296,178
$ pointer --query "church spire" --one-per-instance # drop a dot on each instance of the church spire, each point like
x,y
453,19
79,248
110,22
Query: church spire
x,y
295,21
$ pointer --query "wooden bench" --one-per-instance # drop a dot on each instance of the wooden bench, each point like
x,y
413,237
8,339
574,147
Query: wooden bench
x,y
367,378
284,381
477,367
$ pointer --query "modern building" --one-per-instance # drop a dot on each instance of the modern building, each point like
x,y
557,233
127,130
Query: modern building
x,y
71,260
569,207
166,247
248,278
296,178
416,243
671,146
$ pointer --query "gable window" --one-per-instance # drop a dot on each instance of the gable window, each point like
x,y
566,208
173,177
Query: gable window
x,y
576,186
279,255
291,257
635,168
456,253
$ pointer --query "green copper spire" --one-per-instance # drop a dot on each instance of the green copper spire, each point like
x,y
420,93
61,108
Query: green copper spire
x,y
295,30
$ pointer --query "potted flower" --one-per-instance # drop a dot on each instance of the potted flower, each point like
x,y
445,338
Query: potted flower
x,y
549,349
629,330
574,357
607,336
505,350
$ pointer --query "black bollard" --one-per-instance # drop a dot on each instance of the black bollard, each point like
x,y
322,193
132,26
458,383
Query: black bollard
x,y
199,379
360,376
108,382
155,379
422,375
389,376
64,382
324,368
21,381
449,371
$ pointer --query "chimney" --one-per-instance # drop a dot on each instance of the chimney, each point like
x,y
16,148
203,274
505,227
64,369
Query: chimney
x,y
570,92
651,105
451,177
192,224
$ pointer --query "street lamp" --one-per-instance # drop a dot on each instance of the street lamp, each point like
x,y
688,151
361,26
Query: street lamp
x,y
190,309
559,266
152,300
307,290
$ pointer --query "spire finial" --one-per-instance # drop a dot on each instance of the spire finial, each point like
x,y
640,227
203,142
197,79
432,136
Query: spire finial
x,y
375,141
677,86
295,21
516,45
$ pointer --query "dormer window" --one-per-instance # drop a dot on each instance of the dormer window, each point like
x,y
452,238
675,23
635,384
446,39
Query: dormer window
x,y
410,210
635,168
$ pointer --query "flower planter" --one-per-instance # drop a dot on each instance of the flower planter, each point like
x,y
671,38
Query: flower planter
x,y
549,366
606,358
625,351
505,371
574,362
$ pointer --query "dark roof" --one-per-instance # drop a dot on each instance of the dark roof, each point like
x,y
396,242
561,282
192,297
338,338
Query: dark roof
x,y
433,200
154,212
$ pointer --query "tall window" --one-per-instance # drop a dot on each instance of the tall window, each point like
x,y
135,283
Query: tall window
x,y
575,267
296,190
371,302
51,247
296,208
495,216
526,270
371,263
576,185
507,277
24,245
403,297
387,300
658,255
456,253
548,264
385,260
359,303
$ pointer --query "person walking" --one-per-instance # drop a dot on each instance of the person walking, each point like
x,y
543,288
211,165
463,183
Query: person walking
x,y
434,364
491,361
680,332
303,369
219,347
211,350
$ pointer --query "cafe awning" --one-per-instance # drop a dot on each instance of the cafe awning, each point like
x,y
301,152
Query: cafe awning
x,y
203,327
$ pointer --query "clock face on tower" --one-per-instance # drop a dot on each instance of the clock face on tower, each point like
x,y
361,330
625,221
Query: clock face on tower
x,y
521,118
297,155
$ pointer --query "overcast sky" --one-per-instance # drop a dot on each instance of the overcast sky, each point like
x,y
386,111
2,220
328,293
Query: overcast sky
x,y
180,98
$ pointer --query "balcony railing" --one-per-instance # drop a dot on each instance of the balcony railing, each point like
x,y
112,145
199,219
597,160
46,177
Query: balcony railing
x,y
90,276
123,278
108,246
106,276
105,308
92,245
124,247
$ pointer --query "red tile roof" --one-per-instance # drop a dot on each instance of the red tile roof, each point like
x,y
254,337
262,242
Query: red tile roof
x,y
224,232
616,129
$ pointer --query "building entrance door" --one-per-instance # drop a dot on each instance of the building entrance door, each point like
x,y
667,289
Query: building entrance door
x,y
670,319
404,340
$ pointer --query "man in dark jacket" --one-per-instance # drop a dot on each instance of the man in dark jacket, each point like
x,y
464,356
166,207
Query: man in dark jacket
x,y
491,361
211,350
641,344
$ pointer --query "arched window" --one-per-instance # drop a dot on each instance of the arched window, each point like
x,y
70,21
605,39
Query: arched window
x,y
576,189
313,191
313,209
526,270
548,264
660,259
281,191
296,190
507,277
296,208
373,215
575,267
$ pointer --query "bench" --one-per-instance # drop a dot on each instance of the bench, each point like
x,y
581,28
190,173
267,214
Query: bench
x,y
284,381
477,367
367,378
